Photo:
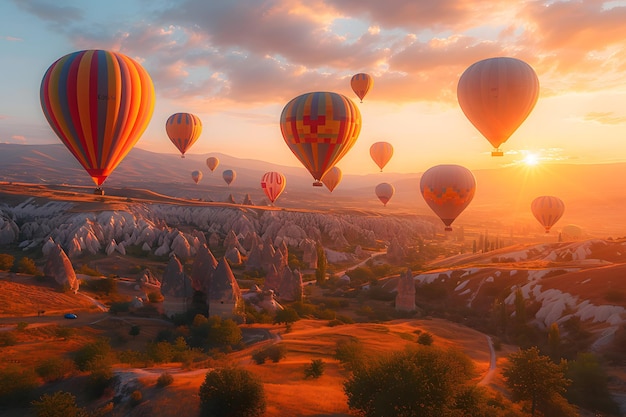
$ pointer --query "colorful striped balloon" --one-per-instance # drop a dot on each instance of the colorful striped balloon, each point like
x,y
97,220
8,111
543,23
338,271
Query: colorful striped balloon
x,y
183,129
547,210
273,184
320,128
98,103
229,176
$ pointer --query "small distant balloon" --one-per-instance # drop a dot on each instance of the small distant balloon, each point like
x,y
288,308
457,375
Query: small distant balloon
x,y
98,103
384,192
448,190
320,128
196,176
229,176
547,210
332,178
497,95
381,153
183,129
361,84
273,184
212,162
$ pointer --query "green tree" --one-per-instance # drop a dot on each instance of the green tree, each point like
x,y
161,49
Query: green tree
x,y
320,272
231,392
58,404
315,369
535,378
589,388
421,381
287,315
27,266
425,339
350,353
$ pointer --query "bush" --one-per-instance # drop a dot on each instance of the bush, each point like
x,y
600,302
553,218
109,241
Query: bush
x,y
315,369
273,352
231,392
58,404
6,262
27,266
86,270
7,339
164,380
136,398
425,339
350,353
16,385
89,354
155,297
64,333
53,369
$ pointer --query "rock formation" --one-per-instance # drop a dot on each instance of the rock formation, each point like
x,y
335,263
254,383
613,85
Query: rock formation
x,y
59,267
224,294
405,297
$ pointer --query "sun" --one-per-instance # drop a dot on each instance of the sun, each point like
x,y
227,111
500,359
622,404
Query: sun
x,y
531,159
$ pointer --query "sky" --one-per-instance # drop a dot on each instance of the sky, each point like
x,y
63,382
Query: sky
x,y
237,63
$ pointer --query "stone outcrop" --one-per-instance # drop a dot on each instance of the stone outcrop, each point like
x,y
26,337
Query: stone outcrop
x,y
175,282
290,288
405,297
224,295
59,267
146,277
395,252
202,270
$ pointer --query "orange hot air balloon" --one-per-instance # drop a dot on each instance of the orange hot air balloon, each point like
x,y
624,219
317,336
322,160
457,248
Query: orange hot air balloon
x,y
384,192
381,153
196,176
183,129
497,95
212,162
273,184
448,190
547,210
361,84
98,103
320,128
332,178
229,176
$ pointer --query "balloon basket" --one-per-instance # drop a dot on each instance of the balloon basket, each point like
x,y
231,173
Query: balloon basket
x,y
448,229
318,184
98,191
497,152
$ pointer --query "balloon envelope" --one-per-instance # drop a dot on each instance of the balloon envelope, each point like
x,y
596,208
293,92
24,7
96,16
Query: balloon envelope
x,y
183,129
361,84
332,178
448,190
381,153
384,192
98,103
547,210
196,176
212,162
497,95
229,176
273,184
320,128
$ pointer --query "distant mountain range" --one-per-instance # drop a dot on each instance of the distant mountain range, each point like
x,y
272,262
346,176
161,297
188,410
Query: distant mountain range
x,y
593,195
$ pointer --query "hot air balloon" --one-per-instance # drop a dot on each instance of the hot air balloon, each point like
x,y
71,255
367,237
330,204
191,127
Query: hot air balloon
x,y
361,83
212,162
384,192
320,128
183,129
229,176
547,210
497,95
448,189
273,184
381,153
98,103
332,178
196,176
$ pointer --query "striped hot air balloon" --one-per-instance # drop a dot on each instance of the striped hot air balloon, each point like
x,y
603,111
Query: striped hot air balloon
x,y
320,128
361,84
98,103
448,190
196,176
273,184
183,129
229,176
332,178
547,210
384,192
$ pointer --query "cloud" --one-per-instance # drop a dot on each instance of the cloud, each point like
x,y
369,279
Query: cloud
x,y
11,38
58,16
605,118
18,138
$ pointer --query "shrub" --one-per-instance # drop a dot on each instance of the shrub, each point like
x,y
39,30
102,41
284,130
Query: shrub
x,y
86,270
58,404
64,333
155,297
27,266
135,398
6,262
53,369
164,380
7,339
87,355
315,369
16,385
273,352
350,353
231,392
425,339
21,326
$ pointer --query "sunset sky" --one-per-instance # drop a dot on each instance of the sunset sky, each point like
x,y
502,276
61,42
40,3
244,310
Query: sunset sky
x,y
237,63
